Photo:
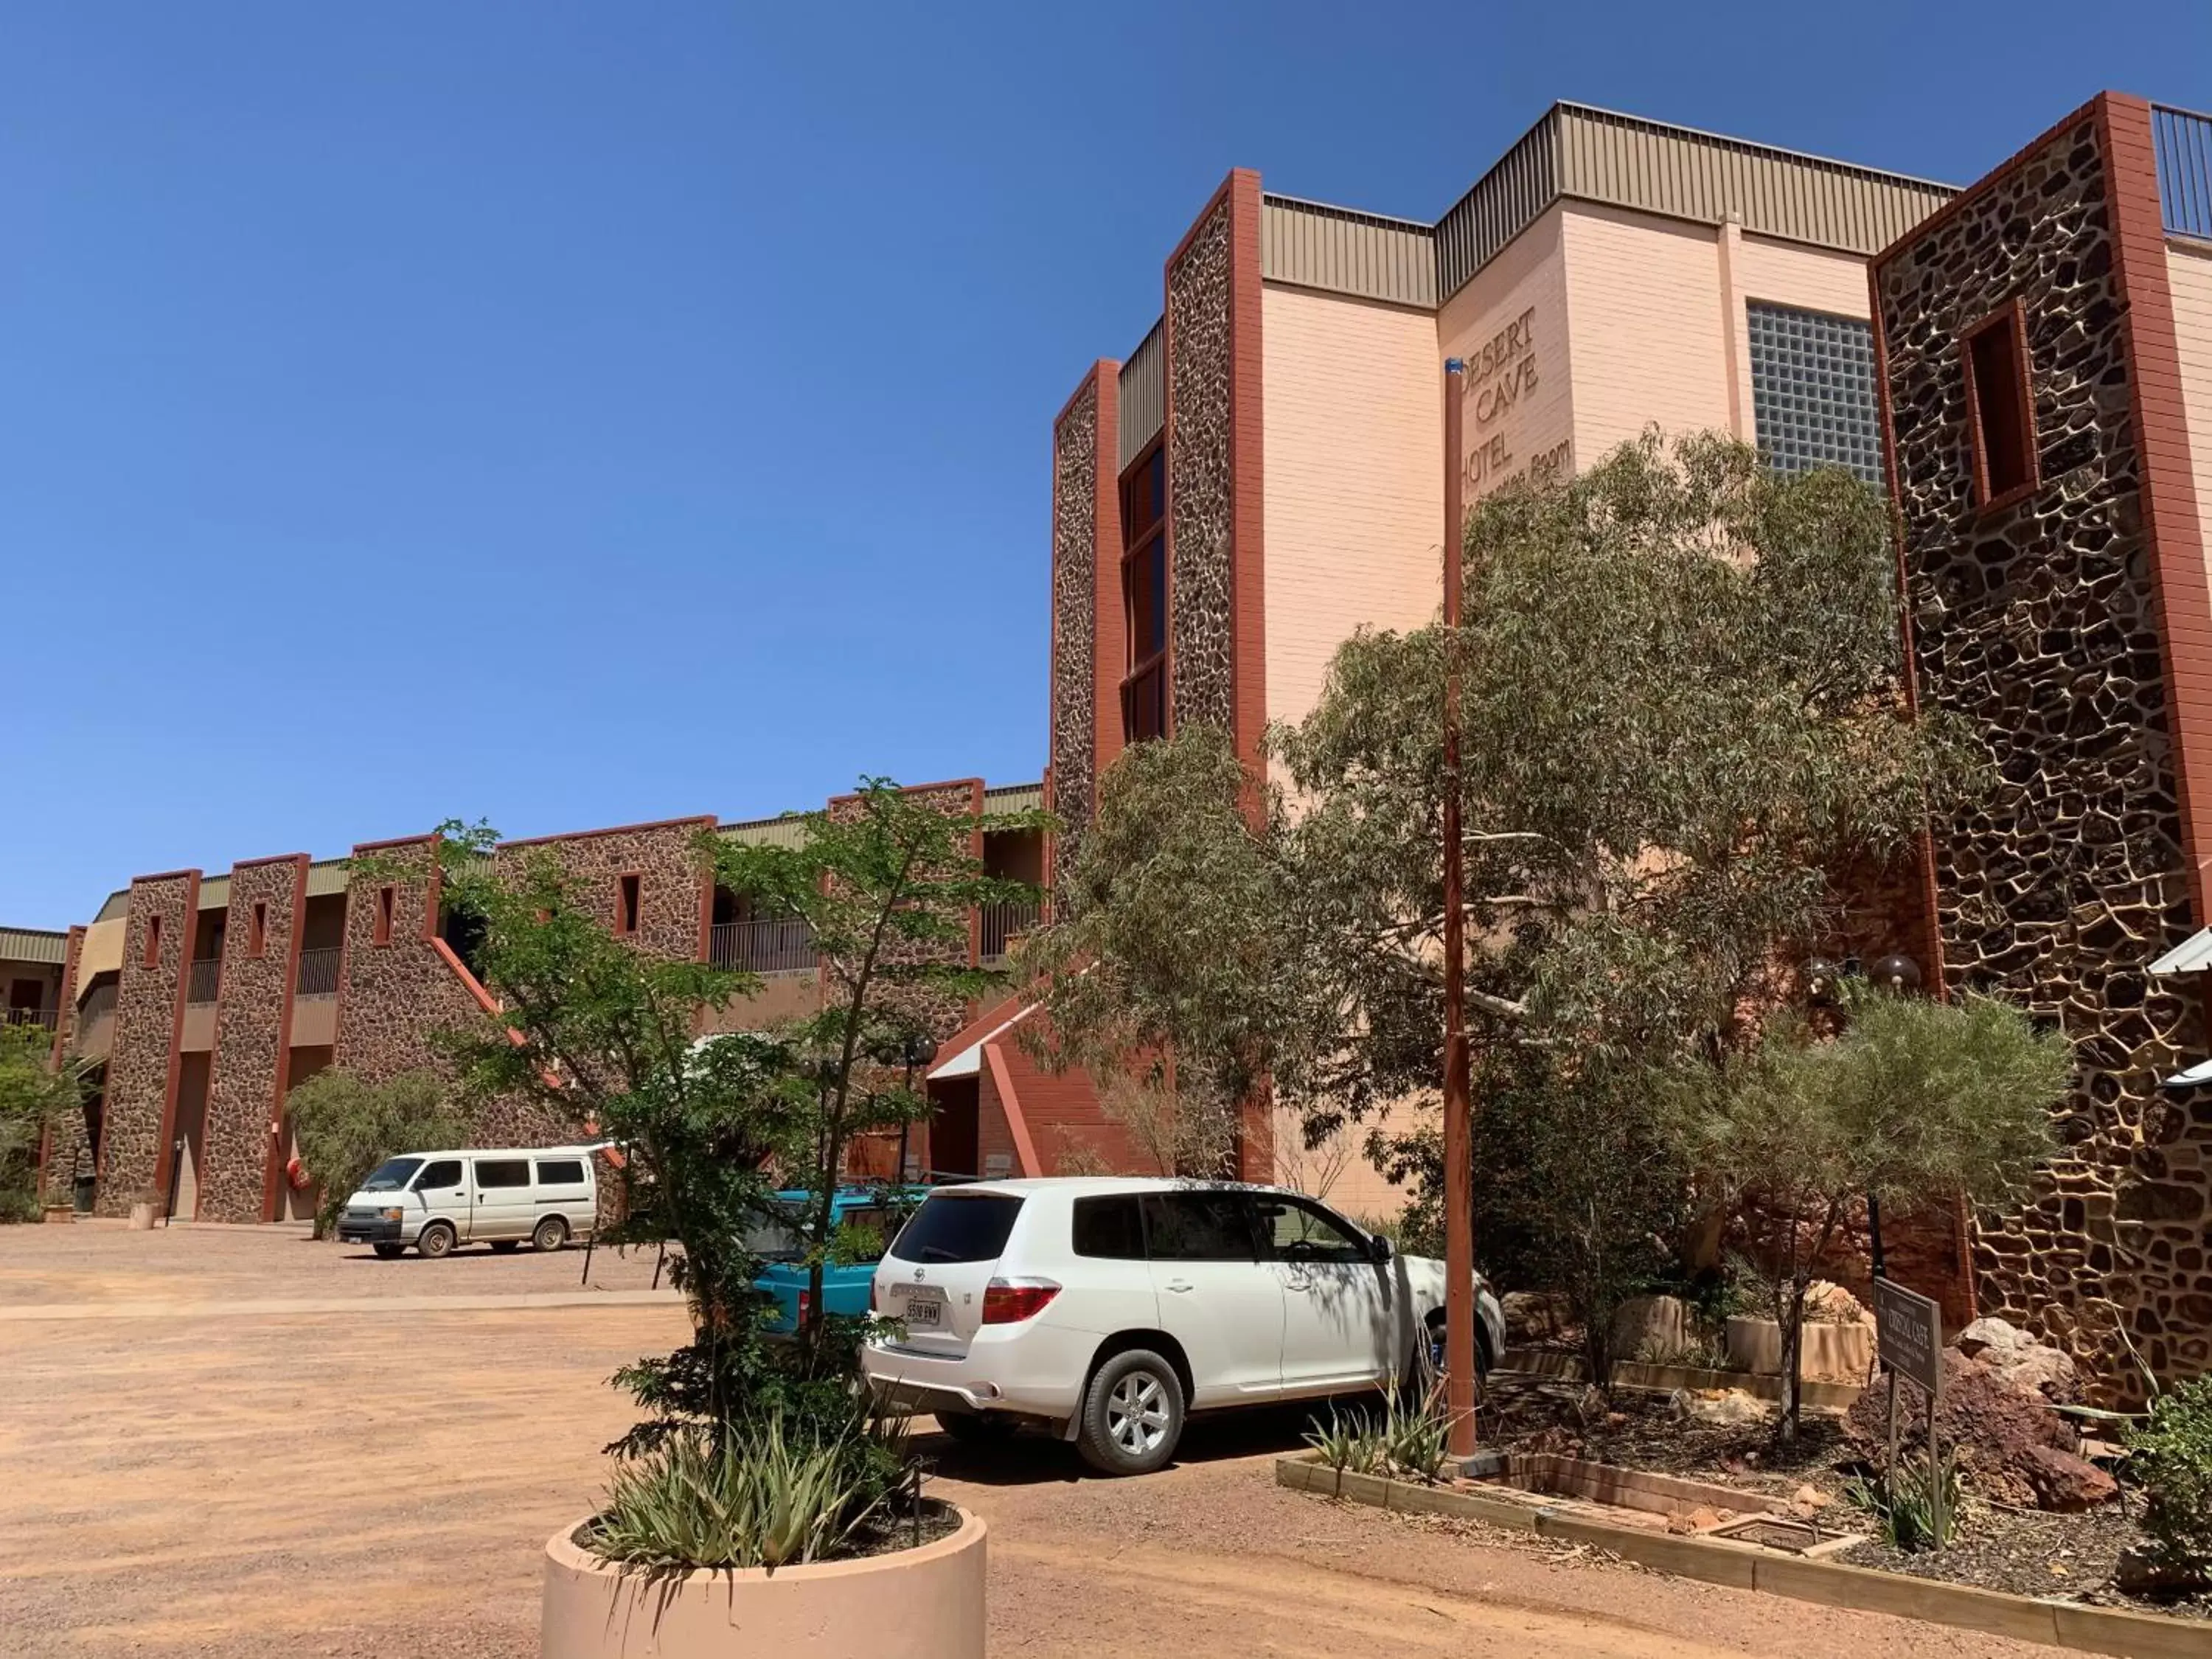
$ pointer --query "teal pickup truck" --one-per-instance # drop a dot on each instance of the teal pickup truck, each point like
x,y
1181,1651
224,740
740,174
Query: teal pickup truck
x,y
870,1217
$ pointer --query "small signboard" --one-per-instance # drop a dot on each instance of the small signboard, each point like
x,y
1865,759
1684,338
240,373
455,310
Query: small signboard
x,y
1909,1334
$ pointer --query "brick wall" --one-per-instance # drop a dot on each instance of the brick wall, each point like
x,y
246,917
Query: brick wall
x,y
143,1057
253,1036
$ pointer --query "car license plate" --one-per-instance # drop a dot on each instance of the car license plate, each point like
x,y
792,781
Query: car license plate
x,y
924,1310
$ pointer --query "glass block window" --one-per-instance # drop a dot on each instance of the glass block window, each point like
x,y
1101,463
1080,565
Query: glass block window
x,y
1812,391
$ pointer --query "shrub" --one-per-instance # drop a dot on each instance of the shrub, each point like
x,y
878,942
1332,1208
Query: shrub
x,y
1410,1439
1902,1501
346,1127
758,1498
2172,1456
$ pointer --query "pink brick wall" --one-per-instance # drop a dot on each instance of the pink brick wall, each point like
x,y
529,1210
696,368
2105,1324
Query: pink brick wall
x,y
1516,311
1354,440
2189,273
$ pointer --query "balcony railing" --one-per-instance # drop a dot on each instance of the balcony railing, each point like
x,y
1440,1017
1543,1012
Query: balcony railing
x,y
45,1017
318,973
2182,140
776,945
204,979
1000,925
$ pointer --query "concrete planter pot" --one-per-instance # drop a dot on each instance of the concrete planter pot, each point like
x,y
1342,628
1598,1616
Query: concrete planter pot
x,y
1833,1353
926,1603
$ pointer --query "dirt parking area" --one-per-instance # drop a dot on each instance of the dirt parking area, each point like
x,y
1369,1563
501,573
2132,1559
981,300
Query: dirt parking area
x,y
380,1475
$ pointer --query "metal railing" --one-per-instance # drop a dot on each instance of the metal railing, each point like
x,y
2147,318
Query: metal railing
x,y
45,1017
1000,925
774,944
2183,142
204,979
318,973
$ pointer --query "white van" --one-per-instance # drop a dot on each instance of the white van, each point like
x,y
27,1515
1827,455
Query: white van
x,y
436,1201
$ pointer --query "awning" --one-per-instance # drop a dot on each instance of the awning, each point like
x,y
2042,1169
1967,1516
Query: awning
x,y
967,1059
2200,1072
2192,955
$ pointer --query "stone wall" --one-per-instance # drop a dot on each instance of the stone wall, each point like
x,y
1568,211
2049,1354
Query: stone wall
x,y
1075,558
253,1036
2041,624
932,1011
67,1140
675,886
1202,473
142,1060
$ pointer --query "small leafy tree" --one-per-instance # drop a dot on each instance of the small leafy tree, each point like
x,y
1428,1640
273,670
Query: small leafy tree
x,y
885,882
346,1127
35,1096
1165,967
1916,1101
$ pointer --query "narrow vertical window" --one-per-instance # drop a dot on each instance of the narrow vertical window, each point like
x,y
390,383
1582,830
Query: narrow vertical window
x,y
257,932
153,957
626,901
384,897
2000,407
1144,597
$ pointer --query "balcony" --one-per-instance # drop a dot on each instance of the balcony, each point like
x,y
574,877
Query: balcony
x,y
318,973
999,925
775,944
2183,141
204,979
45,1017
96,1022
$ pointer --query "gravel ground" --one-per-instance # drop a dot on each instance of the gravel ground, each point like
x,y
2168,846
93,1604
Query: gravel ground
x,y
244,1486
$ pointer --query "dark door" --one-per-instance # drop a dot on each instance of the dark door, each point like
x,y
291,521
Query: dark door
x,y
952,1137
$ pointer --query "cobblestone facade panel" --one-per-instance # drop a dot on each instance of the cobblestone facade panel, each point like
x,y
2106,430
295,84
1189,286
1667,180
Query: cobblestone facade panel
x,y
675,884
1203,476
252,1025
2040,622
142,1059
67,1143
1075,554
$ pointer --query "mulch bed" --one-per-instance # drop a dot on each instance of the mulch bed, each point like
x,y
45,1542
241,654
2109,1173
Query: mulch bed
x,y
2023,1552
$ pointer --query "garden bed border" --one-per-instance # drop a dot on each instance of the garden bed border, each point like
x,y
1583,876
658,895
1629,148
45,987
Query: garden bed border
x,y
1747,1566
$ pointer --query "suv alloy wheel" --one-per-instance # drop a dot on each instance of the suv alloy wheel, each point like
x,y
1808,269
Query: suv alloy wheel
x,y
1132,1414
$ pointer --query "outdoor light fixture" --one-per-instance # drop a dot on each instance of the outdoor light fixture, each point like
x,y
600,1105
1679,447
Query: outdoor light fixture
x,y
1896,972
1820,977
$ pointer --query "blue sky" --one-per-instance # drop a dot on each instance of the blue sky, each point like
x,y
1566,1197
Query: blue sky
x,y
574,414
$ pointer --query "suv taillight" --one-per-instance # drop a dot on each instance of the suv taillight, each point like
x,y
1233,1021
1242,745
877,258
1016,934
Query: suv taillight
x,y
1009,1301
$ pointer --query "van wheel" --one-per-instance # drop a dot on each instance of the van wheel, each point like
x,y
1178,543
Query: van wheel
x,y
388,1251
438,1239
507,1246
1132,1414
552,1233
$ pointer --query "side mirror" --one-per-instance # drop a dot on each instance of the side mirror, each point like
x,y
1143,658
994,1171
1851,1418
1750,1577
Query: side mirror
x,y
1379,1248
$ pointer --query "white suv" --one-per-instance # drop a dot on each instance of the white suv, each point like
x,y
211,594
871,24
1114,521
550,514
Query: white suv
x,y
1109,1308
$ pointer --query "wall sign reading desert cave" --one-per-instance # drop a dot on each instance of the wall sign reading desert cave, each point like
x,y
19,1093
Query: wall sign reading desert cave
x,y
1503,373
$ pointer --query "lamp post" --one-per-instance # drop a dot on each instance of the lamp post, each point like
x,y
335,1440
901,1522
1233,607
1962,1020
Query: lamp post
x,y
1459,1151
917,1051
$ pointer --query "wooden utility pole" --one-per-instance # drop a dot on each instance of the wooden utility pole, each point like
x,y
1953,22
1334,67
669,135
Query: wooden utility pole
x,y
1459,1182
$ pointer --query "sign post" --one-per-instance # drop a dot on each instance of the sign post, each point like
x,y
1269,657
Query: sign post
x,y
1909,1337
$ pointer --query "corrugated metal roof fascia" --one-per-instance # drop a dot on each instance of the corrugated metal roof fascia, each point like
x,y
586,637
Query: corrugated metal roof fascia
x,y
117,903
1143,396
1344,250
327,876
37,944
1625,161
1503,202
1015,798
787,831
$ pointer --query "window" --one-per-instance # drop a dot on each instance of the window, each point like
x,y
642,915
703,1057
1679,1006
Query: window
x,y
626,897
566,1172
1144,596
502,1172
1110,1228
256,929
385,897
2000,410
1201,1226
861,1233
439,1172
968,1228
1812,391
153,957
1305,1232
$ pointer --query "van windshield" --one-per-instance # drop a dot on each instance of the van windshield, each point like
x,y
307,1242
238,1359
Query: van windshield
x,y
391,1175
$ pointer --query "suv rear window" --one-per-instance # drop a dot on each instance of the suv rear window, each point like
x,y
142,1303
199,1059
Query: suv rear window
x,y
971,1227
1110,1228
